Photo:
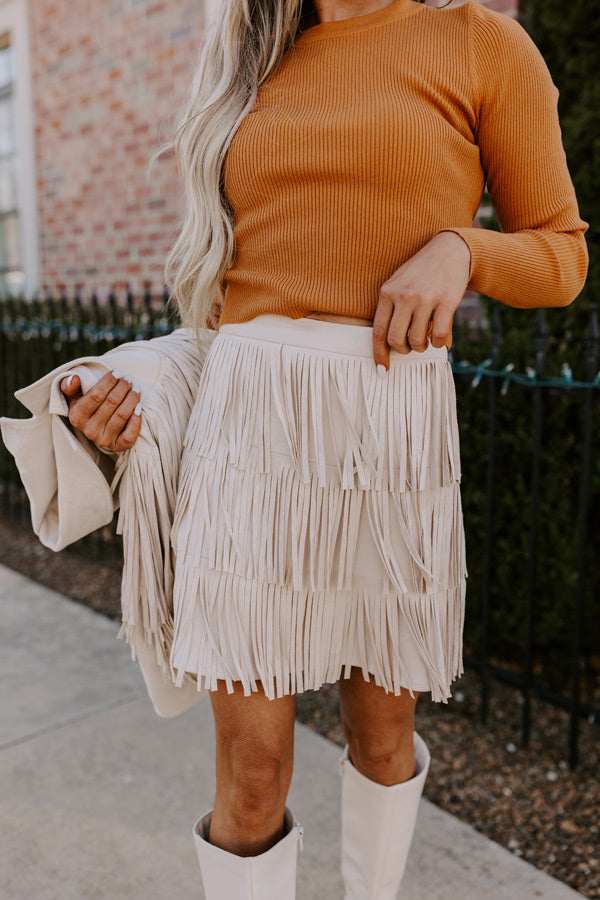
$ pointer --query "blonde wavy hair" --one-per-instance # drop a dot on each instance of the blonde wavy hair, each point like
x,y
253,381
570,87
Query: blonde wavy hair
x,y
238,54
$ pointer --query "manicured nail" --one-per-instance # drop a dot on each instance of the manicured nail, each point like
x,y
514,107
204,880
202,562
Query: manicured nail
x,y
128,379
381,371
138,410
116,374
69,380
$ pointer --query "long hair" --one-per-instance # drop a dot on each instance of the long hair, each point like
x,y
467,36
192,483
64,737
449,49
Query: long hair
x,y
239,53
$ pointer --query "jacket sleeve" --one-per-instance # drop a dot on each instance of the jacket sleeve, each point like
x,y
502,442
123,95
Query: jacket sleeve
x,y
73,487
540,257
67,479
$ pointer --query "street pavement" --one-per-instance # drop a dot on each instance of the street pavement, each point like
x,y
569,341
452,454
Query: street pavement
x,y
98,794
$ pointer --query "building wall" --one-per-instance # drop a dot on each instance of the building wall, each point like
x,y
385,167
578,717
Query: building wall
x,y
107,76
19,256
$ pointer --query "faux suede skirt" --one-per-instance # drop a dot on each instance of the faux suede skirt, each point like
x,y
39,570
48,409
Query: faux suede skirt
x,y
318,523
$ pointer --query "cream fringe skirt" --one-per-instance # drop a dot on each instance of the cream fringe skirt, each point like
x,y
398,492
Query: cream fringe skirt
x,y
318,523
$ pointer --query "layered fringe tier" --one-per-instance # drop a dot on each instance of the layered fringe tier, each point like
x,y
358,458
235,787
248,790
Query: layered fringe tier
x,y
329,413
273,528
318,522
294,641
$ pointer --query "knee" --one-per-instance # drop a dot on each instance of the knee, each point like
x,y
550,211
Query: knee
x,y
385,758
256,785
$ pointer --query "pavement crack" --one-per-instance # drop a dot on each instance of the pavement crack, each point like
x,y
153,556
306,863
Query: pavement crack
x,y
70,720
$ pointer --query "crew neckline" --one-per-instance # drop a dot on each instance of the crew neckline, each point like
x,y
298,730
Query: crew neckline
x,y
398,9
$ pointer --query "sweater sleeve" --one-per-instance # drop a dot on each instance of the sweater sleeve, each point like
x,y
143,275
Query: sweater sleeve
x,y
540,256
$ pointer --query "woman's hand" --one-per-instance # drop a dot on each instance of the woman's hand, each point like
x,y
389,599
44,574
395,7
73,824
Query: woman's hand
x,y
428,286
109,414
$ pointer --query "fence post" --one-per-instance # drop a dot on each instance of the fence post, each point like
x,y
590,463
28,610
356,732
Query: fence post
x,y
495,344
129,319
112,309
584,491
64,306
44,334
541,346
146,318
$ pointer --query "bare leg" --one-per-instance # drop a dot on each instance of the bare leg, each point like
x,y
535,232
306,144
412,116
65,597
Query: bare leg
x,y
255,758
381,787
379,729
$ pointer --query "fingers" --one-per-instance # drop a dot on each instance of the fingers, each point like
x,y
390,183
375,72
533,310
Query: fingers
x,y
428,287
80,412
442,325
108,413
381,321
105,431
129,435
102,399
409,323
71,386
404,307
419,324
105,426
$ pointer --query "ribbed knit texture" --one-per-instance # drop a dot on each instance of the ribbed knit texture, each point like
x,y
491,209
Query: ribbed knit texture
x,y
378,132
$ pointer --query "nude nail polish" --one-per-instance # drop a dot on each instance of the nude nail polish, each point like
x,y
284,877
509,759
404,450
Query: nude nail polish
x,y
381,371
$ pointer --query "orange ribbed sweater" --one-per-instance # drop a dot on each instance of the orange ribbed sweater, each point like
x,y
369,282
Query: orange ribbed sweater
x,y
377,132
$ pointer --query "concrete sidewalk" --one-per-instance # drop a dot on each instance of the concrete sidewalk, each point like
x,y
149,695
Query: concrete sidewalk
x,y
98,794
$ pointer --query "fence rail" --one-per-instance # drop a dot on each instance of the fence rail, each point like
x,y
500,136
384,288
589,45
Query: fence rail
x,y
528,415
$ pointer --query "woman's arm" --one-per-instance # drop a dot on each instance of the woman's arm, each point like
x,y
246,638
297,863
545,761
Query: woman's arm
x,y
540,258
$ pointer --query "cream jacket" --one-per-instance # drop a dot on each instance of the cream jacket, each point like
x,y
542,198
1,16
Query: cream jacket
x,y
74,488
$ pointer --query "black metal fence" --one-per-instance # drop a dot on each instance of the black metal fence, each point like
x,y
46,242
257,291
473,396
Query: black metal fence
x,y
531,478
538,403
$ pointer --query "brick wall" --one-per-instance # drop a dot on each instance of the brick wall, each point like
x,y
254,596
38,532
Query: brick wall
x,y
107,76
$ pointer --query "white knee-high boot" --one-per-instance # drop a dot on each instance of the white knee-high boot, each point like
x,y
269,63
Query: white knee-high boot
x,y
269,876
377,828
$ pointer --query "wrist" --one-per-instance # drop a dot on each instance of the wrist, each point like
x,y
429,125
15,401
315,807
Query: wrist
x,y
458,246
452,239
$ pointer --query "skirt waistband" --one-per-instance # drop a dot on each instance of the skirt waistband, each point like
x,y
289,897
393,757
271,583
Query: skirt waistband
x,y
318,334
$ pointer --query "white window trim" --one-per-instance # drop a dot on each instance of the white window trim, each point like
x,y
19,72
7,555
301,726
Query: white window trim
x,y
13,18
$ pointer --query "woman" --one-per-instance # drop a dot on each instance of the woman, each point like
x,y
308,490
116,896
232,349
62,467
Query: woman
x,y
333,158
